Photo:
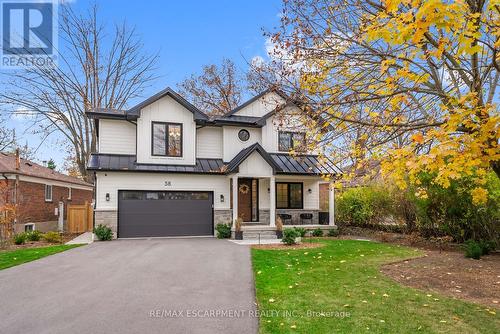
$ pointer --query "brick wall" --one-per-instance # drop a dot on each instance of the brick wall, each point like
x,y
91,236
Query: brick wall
x,y
33,207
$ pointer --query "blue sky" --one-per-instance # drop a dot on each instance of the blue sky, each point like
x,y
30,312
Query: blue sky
x,y
187,34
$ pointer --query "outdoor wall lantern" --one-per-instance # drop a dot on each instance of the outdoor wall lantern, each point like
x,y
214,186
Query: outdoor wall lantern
x,y
268,190
222,198
107,197
309,191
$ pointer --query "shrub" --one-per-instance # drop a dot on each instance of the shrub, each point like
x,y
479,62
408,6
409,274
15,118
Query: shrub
x,y
486,247
473,250
33,235
317,232
289,235
301,232
20,238
223,231
52,237
103,232
333,232
362,206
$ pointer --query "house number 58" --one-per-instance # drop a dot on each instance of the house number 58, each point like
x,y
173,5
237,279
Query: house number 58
x,y
168,183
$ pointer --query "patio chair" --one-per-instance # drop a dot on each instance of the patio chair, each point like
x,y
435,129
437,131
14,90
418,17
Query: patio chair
x,y
305,217
285,218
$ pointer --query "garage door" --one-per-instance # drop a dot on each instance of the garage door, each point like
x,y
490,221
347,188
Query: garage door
x,y
164,213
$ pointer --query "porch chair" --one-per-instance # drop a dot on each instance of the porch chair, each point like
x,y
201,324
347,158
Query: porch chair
x,y
304,217
285,217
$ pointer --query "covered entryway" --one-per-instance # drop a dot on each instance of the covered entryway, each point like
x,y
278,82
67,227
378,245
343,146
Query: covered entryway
x,y
164,213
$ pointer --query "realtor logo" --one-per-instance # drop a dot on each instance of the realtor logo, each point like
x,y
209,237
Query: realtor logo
x,y
29,33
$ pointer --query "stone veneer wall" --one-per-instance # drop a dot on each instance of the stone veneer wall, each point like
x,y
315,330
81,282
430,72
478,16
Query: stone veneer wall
x,y
108,218
295,213
223,217
264,216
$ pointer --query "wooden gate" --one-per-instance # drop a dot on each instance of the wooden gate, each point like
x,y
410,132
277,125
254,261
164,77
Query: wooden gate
x,y
80,218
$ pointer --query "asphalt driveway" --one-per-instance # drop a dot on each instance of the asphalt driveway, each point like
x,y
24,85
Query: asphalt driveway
x,y
198,285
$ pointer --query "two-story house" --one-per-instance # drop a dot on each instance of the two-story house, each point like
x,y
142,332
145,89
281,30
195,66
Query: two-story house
x,y
164,168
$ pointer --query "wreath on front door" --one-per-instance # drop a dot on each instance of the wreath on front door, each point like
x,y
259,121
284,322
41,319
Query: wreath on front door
x,y
244,189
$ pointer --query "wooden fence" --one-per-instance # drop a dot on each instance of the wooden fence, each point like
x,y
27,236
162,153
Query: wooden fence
x,y
80,218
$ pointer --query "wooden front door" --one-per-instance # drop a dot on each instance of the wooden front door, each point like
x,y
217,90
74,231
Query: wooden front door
x,y
248,199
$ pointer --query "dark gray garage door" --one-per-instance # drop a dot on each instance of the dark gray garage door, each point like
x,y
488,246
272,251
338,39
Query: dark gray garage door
x,y
164,213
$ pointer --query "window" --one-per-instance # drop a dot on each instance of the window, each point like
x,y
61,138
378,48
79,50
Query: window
x,y
289,195
48,193
166,139
29,227
244,135
69,193
291,140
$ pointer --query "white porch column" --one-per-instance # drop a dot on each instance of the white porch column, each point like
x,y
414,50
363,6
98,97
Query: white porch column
x,y
331,204
235,199
272,198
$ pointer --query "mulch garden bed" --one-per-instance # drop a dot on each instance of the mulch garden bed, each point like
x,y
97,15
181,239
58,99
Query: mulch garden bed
x,y
443,269
451,274
35,244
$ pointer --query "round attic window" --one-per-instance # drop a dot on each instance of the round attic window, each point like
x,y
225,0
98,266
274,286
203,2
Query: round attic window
x,y
244,135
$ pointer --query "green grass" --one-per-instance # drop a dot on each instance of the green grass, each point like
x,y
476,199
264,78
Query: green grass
x,y
343,276
16,257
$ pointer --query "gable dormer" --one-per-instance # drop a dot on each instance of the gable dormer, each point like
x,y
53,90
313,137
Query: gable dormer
x,y
166,129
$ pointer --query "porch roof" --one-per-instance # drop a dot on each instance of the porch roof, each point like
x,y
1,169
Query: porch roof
x,y
284,163
281,163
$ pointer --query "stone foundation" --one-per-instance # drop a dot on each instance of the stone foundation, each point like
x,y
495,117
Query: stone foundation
x,y
223,217
264,216
296,216
108,218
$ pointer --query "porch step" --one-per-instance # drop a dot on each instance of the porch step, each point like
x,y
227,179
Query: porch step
x,y
254,235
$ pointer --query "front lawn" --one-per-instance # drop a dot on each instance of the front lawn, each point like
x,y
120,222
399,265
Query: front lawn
x,y
19,256
338,289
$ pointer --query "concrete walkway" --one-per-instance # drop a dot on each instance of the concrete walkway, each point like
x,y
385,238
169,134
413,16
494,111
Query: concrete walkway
x,y
84,238
133,286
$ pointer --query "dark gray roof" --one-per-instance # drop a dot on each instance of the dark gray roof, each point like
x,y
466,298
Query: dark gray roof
x,y
133,113
248,121
281,163
233,165
304,164
284,163
115,162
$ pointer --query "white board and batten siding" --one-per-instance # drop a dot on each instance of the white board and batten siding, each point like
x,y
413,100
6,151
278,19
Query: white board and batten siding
x,y
209,142
116,137
166,109
262,105
111,182
233,145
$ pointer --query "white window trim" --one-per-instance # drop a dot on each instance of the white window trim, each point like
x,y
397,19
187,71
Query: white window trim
x,y
46,198
30,224
70,190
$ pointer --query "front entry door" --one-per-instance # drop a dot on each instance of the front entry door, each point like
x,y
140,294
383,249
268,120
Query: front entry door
x,y
248,198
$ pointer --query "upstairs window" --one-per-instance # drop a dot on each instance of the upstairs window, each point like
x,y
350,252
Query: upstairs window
x,y
166,139
291,141
48,193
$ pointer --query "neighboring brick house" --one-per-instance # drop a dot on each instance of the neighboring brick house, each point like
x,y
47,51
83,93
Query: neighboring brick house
x,y
41,194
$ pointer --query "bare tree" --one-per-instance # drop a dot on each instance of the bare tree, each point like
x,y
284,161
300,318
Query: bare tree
x,y
94,71
6,136
216,91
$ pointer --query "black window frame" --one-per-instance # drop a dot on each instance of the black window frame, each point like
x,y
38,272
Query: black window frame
x,y
288,195
166,124
244,131
290,141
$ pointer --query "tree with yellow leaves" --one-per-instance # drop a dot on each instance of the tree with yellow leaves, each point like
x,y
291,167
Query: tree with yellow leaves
x,y
412,83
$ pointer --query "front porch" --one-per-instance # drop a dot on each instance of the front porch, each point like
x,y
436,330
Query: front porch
x,y
260,200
